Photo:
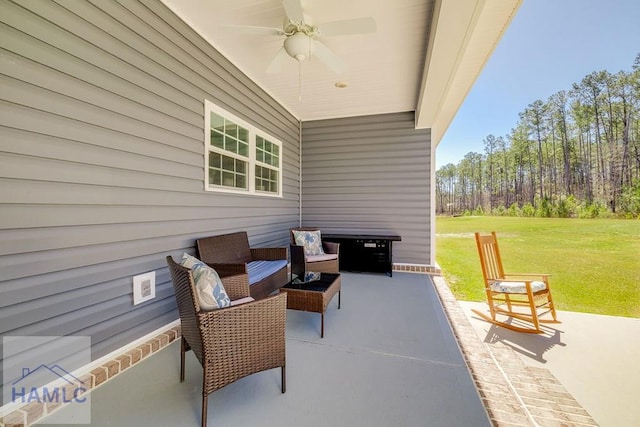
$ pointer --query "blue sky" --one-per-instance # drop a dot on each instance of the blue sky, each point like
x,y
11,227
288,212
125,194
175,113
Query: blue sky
x,y
549,45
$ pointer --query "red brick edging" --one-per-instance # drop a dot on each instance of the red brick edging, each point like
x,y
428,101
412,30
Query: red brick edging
x,y
513,394
35,411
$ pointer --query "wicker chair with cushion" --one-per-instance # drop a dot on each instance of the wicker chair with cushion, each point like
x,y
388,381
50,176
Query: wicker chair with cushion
x,y
310,253
233,342
230,254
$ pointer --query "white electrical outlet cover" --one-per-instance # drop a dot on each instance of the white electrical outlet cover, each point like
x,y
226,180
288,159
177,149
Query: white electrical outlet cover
x,y
144,287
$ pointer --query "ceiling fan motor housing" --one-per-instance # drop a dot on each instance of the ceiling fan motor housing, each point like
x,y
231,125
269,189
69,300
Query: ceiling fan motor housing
x,y
298,46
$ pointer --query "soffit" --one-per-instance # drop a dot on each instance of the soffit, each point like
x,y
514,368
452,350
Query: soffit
x,y
424,56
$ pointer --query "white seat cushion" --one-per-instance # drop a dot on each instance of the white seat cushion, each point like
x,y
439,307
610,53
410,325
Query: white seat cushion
x,y
509,287
325,257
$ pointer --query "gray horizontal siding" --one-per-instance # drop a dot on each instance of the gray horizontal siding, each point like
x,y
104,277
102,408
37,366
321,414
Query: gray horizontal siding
x,y
101,163
369,175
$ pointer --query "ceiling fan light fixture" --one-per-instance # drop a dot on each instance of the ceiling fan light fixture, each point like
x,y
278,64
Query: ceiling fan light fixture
x,y
298,46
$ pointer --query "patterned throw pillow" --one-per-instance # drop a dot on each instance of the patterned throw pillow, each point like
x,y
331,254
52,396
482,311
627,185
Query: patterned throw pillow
x,y
209,288
310,240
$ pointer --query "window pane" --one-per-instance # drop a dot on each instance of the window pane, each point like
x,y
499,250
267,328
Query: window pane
x,y
215,160
227,171
274,181
268,152
266,179
217,122
231,129
215,177
217,140
241,182
243,134
241,167
258,179
243,149
230,144
228,163
227,179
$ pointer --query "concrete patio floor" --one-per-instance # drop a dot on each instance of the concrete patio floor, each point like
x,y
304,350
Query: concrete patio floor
x,y
388,358
402,351
595,357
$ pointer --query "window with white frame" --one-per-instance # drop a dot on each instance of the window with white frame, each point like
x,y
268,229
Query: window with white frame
x,y
240,158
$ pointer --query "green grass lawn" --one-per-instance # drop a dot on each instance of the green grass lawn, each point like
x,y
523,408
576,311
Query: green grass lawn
x,y
594,263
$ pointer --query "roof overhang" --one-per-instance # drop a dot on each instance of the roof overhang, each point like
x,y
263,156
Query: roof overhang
x,y
464,34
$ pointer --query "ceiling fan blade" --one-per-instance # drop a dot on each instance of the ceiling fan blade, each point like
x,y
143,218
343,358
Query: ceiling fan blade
x,y
275,66
348,27
329,58
293,9
251,29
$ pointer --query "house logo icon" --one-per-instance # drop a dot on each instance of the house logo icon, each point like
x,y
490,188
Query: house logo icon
x,y
69,389
48,373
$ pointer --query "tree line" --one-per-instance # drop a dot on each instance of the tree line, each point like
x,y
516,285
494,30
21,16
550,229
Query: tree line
x,y
575,154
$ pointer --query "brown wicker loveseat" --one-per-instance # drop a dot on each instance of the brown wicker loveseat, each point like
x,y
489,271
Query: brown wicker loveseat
x,y
230,254
233,342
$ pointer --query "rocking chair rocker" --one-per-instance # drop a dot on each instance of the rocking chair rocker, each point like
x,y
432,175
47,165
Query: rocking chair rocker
x,y
526,297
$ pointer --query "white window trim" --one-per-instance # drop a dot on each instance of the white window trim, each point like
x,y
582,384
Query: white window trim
x,y
210,107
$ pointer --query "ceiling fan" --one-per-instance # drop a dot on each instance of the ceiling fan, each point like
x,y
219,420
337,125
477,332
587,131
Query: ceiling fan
x,y
301,37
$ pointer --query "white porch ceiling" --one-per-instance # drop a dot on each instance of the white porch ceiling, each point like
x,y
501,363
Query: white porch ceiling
x,y
424,56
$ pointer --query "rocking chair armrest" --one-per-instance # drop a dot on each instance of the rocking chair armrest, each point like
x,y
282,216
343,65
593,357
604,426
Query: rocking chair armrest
x,y
534,276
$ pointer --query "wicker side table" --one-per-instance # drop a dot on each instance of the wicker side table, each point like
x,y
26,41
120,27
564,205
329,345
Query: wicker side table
x,y
312,293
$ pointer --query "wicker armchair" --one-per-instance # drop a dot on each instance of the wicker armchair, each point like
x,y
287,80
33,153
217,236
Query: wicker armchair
x,y
324,264
230,254
233,342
